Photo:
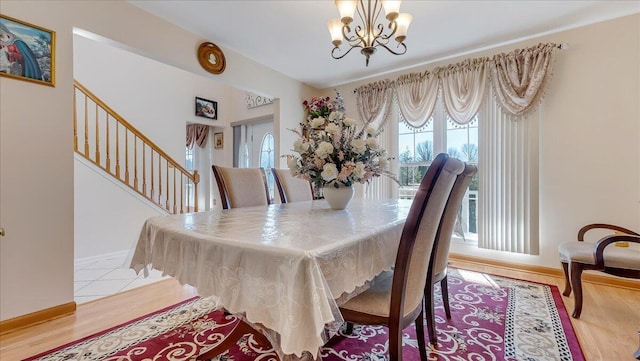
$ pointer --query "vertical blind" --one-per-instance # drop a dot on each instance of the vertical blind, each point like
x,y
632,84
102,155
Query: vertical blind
x,y
508,132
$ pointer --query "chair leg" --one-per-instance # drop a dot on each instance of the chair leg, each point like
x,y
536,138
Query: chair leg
x,y
576,282
430,312
422,347
349,329
395,343
444,289
567,283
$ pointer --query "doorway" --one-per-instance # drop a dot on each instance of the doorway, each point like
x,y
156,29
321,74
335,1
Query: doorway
x,y
254,147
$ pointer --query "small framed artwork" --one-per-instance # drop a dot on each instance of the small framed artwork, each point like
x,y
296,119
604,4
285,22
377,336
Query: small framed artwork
x,y
206,108
218,140
27,51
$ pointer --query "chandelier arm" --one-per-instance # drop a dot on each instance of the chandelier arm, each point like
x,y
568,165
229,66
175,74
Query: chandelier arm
x,y
343,55
404,48
357,37
380,34
393,25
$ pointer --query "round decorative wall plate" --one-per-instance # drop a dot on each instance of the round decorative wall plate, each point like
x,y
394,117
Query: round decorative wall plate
x,y
211,58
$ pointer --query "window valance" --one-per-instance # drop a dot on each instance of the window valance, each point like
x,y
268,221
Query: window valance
x,y
197,134
518,78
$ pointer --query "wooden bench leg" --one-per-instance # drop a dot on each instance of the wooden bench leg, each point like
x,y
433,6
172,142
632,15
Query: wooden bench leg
x,y
576,283
567,283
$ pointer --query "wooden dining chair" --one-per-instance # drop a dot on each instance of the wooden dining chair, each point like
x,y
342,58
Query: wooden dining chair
x,y
241,187
395,297
437,271
290,188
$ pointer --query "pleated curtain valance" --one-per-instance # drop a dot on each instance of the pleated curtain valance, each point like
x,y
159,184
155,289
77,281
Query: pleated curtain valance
x,y
518,78
417,95
373,102
197,134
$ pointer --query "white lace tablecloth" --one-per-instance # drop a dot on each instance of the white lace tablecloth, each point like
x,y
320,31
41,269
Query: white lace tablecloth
x,y
282,265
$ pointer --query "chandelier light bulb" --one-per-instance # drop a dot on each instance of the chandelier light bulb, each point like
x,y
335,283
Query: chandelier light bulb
x,y
347,8
391,8
403,21
335,29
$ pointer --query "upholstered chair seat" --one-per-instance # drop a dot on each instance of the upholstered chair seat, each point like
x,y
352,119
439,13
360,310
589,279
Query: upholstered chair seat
x,y
617,257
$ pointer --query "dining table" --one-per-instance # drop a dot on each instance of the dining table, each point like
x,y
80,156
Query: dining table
x,y
287,267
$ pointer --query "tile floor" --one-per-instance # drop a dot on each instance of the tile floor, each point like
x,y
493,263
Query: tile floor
x,y
107,276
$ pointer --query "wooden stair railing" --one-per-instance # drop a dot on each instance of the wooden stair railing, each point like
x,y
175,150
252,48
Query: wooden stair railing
x,y
156,176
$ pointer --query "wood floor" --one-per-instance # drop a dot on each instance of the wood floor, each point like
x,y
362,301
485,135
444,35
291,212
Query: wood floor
x,y
607,330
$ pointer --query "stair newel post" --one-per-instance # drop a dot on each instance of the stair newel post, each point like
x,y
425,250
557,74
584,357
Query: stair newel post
x,y
108,160
166,197
135,162
126,155
86,129
117,151
144,169
97,137
175,208
152,182
75,120
182,193
196,180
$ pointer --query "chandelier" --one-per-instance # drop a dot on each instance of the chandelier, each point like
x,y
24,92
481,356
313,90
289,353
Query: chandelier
x,y
368,34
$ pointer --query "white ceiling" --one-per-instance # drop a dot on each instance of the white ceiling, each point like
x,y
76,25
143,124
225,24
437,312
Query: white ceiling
x,y
292,37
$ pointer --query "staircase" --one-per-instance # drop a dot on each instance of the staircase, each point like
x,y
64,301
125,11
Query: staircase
x,y
115,146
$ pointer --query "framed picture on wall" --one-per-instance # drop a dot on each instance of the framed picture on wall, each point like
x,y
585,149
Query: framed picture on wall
x,y
27,51
206,108
218,140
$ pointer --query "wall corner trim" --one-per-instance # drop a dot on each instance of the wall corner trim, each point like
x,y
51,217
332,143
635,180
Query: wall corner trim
x,y
33,318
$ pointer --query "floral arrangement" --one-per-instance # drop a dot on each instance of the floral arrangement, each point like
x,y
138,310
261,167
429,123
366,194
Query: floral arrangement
x,y
333,150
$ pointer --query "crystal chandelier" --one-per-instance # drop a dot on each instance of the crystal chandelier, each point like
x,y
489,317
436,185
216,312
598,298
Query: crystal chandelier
x,y
368,34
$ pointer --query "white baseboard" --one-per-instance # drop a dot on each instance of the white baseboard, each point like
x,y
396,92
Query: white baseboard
x,y
100,257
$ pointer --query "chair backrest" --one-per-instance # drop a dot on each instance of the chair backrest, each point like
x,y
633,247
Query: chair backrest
x,y
419,233
440,254
290,188
241,187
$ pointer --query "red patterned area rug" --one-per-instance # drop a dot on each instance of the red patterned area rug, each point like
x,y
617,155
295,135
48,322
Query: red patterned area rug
x,y
493,318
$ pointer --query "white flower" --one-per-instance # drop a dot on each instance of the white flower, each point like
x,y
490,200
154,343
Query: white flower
x,y
300,146
358,146
372,143
335,116
371,131
348,122
332,128
324,149
383,163
293,165
329,172
358,171
317,122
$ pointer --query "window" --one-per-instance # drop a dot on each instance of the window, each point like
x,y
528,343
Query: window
x,y
267,161
418,147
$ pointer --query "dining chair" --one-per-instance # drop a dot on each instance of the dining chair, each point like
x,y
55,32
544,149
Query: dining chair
x,y
290,188
437,271
395,297
602,255
241,187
